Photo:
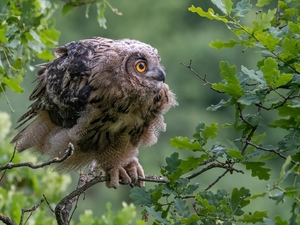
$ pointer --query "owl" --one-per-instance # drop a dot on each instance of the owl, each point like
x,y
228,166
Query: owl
x,y
106,97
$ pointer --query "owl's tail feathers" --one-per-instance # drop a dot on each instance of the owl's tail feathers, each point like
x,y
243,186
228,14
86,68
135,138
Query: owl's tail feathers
x,y
34,134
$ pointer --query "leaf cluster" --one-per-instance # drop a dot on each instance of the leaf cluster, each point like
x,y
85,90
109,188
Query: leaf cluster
x,y
263,99
26,32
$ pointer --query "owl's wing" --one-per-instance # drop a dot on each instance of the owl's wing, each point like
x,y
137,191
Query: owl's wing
x,y
63,85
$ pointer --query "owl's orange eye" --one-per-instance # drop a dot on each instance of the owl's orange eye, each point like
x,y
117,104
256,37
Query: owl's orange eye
x,y
141,66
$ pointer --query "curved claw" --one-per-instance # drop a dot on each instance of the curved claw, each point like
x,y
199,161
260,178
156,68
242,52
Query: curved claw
x,y
128,174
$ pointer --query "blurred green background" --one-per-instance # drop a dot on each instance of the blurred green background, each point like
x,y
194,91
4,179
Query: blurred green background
x,y
179,36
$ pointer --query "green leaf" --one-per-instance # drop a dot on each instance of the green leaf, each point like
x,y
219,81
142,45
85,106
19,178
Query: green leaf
x,y
295,28
157,193
50,35
210,132
283,173
219,44
255,196
185,143
1,68
239,200
204,202
67,8
267,40
290,49
3,39
234,153
292,192
270,71
265,20
221,104
257,170
210,14
224,5
283,79
140,196
255,217
101,6
257,77
13,84
279,221
218,150
192,162
242,8
232,86
173,162
35,36
261,3
180,206
157,216
250,98
191,220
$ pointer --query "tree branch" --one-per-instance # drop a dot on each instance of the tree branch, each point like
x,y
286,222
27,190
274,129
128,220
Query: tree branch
x,y
206,82
6,220
270,150
67,154
31,210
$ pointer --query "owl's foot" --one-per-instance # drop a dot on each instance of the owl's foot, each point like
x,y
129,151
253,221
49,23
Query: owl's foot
x,y
128,174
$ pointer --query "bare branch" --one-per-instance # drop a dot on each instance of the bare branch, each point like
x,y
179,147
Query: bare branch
x,y
31,210
48,203
203,78
227,165
61,212
270,150
154,178
6,220
67,154
12,157
219,178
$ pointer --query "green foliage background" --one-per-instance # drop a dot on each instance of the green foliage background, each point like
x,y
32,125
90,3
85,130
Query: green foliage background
x,y
179,35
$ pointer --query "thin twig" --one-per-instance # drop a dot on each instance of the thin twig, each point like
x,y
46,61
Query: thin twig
x,y
189,66
270,150
67,154
219,178
6,99
11,159
48,203
31,210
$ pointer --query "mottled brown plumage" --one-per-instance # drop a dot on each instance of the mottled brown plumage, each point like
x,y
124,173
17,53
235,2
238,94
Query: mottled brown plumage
x,y
107,97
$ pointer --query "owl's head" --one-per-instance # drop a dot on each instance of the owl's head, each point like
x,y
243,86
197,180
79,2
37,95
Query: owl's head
x,y
140,64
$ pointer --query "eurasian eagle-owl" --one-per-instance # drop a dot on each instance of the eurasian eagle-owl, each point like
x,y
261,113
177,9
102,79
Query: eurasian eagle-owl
x,y
106,97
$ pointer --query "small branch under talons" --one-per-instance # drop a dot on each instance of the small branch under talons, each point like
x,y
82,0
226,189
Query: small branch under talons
x,y
154,178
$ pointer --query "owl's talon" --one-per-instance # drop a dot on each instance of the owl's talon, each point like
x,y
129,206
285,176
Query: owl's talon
x,y
127,175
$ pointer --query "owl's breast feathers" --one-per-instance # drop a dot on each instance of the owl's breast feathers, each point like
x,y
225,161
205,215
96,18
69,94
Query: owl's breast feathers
x,y
96,107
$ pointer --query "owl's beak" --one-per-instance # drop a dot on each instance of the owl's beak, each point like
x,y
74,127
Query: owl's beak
x,y
161,75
